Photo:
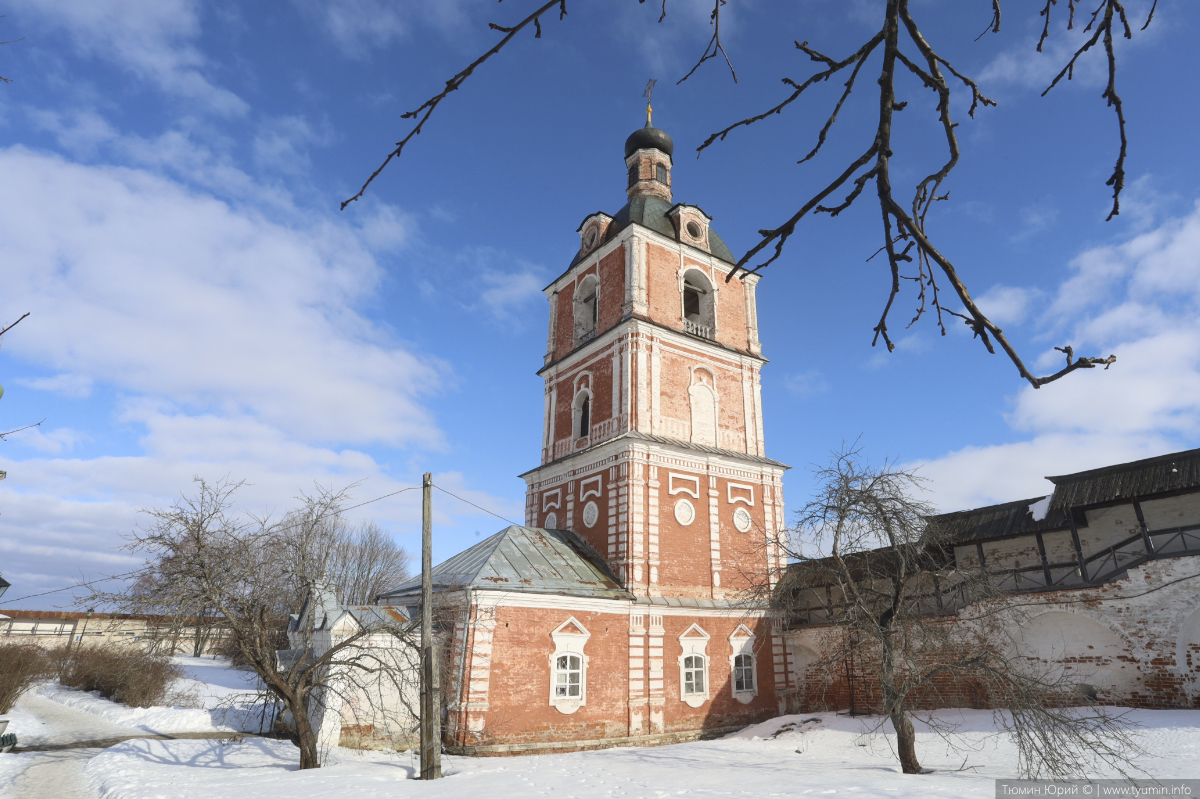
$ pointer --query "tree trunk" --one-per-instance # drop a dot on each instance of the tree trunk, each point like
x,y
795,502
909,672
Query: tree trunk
x,y
906,742
893,702
306,737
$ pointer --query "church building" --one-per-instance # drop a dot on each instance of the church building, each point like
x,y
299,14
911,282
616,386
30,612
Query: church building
x,y
614,615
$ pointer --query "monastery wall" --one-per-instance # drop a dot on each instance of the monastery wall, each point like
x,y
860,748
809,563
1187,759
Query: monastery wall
x,y
1136,640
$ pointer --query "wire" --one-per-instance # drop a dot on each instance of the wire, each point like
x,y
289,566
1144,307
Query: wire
x,y
77,585
385,496
473,505
130,574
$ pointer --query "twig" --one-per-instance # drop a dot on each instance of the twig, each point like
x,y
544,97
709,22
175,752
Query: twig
x,y
19,429
455,82
14,324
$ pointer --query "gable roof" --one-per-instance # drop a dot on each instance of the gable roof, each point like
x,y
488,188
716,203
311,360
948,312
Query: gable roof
x,y
1164,474
323,611
525,559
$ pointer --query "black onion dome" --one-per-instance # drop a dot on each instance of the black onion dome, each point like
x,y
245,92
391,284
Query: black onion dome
x,y
647,138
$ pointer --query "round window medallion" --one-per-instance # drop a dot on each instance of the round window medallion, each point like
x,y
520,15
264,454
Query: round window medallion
x,y
589,238
551,521
685,512
694,230
742,520
590,514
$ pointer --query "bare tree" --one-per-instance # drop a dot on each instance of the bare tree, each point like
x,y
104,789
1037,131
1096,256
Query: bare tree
x,y
887,608
362,560
901,49
261,578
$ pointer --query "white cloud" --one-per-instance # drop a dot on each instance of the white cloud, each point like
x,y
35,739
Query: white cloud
x,y
906,343
79,131
68,385
235,343
136,282
1140,300
507,292
385,227
150,39
1004,305
1034,219
358,26
282,143
51,441
806,383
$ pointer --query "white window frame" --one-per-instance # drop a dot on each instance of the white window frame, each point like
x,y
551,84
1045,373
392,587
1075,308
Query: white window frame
x,y
694,641
741,642
559,671
566,643
695,666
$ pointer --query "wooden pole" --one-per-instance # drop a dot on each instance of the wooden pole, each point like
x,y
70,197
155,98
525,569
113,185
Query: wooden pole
x,y
431,700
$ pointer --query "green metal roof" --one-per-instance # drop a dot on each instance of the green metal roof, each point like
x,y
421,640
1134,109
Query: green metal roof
x,y
651,212
527,559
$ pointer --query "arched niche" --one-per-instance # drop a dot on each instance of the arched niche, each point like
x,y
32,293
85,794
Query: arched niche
x,y
1082,650
702,396
587,307
1187,656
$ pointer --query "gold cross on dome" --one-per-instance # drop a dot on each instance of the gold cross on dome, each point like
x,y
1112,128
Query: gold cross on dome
x,y
649,91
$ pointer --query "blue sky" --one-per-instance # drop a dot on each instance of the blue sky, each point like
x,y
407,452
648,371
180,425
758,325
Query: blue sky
x,y
200,306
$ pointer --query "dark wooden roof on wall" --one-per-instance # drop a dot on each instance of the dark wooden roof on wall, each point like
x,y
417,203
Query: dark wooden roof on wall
x,y
1165,474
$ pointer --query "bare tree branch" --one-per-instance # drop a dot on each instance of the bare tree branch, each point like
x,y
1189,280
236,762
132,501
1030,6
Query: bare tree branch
x,y
14,324
19,429
912,254
430,105
714,45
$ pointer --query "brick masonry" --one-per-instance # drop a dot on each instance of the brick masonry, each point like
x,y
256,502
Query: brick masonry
x,y
1136,639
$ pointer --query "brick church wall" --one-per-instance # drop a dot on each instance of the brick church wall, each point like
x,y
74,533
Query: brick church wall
x,y
519,675
519,686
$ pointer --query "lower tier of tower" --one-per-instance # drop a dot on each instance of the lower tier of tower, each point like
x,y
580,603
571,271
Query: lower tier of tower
x,y
670,519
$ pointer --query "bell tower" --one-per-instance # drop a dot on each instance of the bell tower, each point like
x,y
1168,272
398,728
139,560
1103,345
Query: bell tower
x,y
652,444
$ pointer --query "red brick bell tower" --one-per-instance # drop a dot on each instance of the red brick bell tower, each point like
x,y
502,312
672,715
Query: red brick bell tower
x,y
652,444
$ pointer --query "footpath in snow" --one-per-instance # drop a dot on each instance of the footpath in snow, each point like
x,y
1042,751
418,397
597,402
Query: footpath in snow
x,y
53,716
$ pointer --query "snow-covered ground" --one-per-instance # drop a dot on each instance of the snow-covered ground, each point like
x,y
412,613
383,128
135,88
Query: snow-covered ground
x,y
836,755
53,716
832,756
209,683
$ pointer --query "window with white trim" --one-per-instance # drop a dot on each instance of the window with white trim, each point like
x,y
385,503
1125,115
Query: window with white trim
x,y
568,667
568,677
743,673
743,664
693,676
694,666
